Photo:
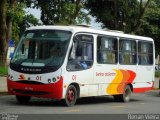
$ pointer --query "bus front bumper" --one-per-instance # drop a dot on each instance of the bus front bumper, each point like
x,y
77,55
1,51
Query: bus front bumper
x,y
53,90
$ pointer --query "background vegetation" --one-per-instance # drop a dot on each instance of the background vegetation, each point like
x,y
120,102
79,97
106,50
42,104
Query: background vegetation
x,y
3,70
157,74
140,17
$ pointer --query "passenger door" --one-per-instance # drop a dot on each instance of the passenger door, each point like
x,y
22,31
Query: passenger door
x,y
80,64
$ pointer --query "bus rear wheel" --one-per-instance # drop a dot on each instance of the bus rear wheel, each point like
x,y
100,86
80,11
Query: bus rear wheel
x,y
23,99
71,96
125,97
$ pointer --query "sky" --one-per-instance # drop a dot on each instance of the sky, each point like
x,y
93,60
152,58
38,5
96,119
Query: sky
x,y
36,13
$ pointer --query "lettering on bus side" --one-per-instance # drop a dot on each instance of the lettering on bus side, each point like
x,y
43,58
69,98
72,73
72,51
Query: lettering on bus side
x,y
105,74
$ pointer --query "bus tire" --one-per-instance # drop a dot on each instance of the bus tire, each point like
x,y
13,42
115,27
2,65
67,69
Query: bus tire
x,y
71,96
23,99
125,97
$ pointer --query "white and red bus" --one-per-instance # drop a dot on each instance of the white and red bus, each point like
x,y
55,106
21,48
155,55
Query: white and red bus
x,y
69,62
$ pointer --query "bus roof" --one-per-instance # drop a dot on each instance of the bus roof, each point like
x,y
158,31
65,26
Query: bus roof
x,y
91,30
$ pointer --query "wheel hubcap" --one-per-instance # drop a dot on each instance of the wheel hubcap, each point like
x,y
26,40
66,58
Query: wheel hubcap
x,y
70,95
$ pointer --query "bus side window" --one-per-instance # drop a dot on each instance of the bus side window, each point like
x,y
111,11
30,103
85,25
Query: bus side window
x,y
127,52
106,50
81,55
145,53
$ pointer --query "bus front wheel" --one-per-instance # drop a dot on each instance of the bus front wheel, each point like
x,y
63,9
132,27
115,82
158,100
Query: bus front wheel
x,y
23,99
125,97
71,96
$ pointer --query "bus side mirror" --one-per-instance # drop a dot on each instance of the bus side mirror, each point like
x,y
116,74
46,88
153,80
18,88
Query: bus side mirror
x,y
75,40
22,48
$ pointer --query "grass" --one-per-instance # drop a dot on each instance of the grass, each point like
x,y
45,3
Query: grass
x,y
157,74
3,70
4,93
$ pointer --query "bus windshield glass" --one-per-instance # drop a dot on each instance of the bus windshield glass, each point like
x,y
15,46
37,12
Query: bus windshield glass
x,y
42,48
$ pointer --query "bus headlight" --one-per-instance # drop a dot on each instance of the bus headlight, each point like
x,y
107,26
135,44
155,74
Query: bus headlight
x,y
54,79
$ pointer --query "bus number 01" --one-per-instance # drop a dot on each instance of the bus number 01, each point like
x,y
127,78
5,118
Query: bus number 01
x,y
74,77
38,78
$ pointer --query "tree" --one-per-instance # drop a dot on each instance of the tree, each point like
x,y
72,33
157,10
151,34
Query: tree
x,y
141,17
64,12
17,18
150,25
5,27
20,25
124,15
28,20
12,18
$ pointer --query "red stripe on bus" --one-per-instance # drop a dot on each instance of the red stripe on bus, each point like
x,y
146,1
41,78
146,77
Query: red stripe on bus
x,y
132,76
139,90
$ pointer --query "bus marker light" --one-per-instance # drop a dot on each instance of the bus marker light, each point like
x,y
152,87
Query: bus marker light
x,y
49,80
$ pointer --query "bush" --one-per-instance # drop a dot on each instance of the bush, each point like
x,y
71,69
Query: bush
x,y
3,70
157,74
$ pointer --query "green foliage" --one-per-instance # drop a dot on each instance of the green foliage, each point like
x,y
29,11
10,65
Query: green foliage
x,y
67,12
28,20
18,16
64,12
157,74
3,70
83,18
141,17
151,23
31,19
19,20
123,15
17,13
115,14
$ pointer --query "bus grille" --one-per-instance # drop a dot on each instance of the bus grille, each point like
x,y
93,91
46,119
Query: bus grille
x,y
30,82
27,92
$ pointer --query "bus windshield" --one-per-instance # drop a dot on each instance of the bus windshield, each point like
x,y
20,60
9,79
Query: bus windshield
x,y
41,48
